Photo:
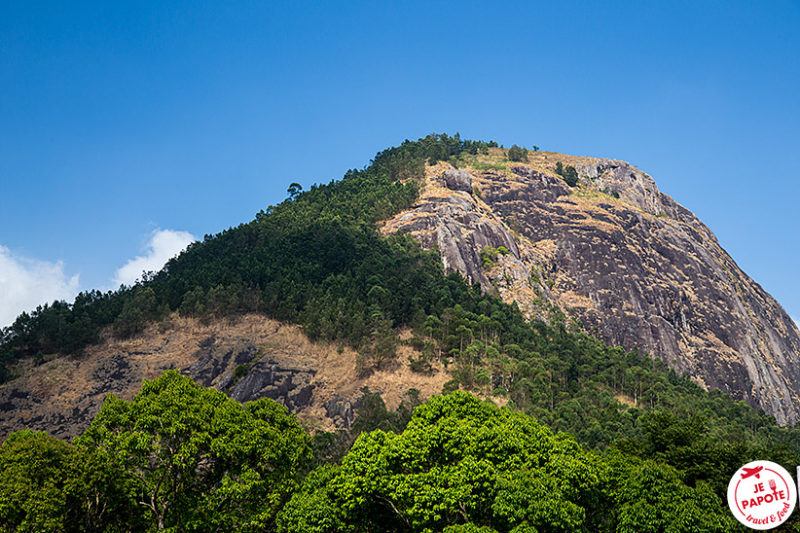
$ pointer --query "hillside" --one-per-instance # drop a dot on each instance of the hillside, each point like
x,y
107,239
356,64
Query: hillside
x,y
248,357
333,290
629,263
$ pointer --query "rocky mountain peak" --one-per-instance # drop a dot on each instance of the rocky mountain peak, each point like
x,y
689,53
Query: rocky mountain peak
x,y
617,256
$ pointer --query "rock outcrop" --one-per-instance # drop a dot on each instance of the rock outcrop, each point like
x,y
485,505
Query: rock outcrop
x,y
249,358
625,260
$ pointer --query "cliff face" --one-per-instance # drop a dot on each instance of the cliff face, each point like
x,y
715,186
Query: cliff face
x,y
249,358
628,262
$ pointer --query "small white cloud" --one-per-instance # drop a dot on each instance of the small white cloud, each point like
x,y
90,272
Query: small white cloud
x,y
26,283
163,245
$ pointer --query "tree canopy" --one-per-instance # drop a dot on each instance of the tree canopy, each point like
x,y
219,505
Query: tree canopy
x,y
186,458
467,465
179,457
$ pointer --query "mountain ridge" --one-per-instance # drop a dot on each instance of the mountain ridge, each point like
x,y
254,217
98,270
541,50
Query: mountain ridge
x,y
624,259
318,261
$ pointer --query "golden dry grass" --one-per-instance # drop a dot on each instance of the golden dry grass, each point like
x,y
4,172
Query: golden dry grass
x,y
66,383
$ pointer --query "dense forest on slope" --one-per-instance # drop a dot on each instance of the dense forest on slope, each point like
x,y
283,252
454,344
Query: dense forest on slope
x,y
179,457
316,259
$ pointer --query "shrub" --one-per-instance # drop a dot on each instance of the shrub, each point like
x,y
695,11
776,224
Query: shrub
x,y
568,173
516,153
488,257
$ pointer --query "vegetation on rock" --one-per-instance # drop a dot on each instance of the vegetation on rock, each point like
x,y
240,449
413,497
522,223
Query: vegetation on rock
x,y
517,153
569,173
648,450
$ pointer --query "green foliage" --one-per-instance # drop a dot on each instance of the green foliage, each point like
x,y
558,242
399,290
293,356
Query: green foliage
x,y
408,160
516,153
182,458
34,468
450,466
568,173
190,458
141,307
294,190
465,465
652,497
310,510
489,255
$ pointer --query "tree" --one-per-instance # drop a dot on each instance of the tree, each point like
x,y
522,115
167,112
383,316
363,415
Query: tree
x,y
516,153
459,462
139,307
34,468
464,465
569,173
652,497
194,459
571,176
294,190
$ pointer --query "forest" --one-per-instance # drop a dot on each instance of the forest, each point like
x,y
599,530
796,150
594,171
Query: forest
x,y
593,437
179,457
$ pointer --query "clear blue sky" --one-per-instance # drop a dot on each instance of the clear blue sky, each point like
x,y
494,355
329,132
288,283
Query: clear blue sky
x,y
118,121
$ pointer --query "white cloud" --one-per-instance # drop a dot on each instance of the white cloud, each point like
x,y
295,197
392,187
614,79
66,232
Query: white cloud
x,y
26,283
163,245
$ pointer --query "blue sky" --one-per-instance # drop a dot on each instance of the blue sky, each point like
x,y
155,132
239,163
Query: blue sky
x,y
127,129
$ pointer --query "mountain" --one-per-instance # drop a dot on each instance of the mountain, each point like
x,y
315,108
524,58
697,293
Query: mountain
x,y
612,252
556,286
581,247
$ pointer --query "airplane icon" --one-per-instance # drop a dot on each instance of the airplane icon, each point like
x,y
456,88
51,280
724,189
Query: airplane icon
x,y
752,472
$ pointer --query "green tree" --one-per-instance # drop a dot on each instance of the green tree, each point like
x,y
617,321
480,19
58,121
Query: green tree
x,y
194,459
569,173
652,497
294,190
34,469
517,153
140,306
459,462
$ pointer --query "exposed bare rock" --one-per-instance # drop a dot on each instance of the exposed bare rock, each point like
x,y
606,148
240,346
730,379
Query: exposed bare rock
x,y
459,228
250,358
342,410
270,378
627,261
457,180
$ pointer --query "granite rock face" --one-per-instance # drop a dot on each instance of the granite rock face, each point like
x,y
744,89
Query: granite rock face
x,y
63,396
247,358
631,264
457,180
